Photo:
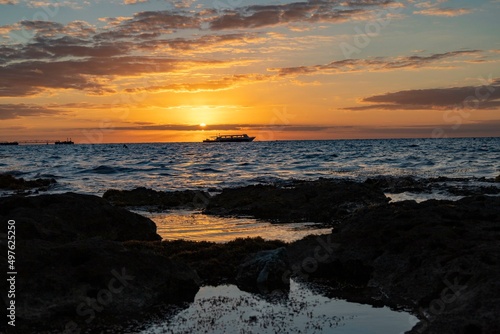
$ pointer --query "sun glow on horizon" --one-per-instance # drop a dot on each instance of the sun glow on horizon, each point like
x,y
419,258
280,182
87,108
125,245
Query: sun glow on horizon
x,y
151,74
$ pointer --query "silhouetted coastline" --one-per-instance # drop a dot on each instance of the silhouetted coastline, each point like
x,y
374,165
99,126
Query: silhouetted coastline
x,y
402,254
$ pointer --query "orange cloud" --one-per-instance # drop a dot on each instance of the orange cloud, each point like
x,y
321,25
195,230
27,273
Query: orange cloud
x,y
211,85
133,2
449,12
90,75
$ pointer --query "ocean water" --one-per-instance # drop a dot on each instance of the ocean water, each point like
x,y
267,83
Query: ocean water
x,y
168,166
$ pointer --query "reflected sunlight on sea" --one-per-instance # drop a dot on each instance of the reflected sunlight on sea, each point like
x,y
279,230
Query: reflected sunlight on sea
x,y
167,166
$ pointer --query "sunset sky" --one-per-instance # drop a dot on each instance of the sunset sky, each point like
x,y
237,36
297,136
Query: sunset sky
x,y
154,70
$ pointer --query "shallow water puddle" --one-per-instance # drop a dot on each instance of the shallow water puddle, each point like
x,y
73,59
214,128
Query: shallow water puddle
x,y
226,309
195,226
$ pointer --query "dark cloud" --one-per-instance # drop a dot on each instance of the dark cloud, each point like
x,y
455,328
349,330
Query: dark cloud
x,y
51,61
298,12
28,78
13,111
372,64
235,20
158,22
28,29
50,49
42,27
485,96
80,56
81,60
91,75
151,24
201,44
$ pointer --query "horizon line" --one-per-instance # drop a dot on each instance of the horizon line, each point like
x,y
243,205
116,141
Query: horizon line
x,y
43,142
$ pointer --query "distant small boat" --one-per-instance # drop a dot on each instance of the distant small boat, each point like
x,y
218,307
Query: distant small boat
x,y
11,143
229,139
64,142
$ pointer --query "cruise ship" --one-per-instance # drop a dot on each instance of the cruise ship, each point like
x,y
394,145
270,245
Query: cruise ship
x,y
229,139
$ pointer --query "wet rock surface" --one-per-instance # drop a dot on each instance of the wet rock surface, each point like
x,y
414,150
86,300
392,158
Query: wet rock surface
x,y
321,201
85,283
75,272
398,185
264,271
70,216
158,199
215,263
444,185
324,200
9,182
439,259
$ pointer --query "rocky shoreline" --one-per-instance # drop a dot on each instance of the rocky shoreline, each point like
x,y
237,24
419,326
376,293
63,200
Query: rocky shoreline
x,y
438,259
75,269
25,187
87,263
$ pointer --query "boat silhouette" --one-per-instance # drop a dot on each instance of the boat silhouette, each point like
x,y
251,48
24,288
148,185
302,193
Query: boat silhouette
x,y
229,139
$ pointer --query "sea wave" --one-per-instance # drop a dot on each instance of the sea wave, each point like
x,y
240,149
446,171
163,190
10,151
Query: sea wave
x,y
164,166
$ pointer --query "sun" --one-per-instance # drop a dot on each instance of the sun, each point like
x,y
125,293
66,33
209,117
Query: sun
x,y
203,125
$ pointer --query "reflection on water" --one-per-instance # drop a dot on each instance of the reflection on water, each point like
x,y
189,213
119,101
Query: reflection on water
x,y
195,226
226,309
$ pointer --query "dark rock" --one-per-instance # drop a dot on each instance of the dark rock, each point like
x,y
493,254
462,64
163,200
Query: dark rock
x,y
10,182
70,216
471,190
397,185
318,201
437,258
451,186
162,199
59,287
497,179
265,271
215,263
75,270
